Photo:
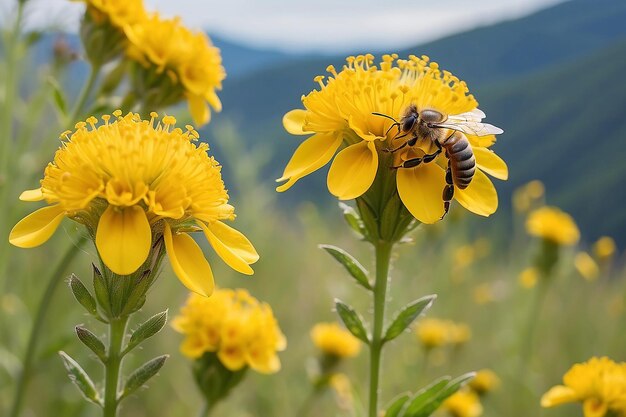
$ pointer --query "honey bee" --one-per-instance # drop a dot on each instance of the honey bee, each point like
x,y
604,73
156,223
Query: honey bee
x,y
447,133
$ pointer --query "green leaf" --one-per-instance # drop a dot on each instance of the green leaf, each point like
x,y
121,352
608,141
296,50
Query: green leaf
x,y
92,342
369,219
101,291
353,219
142,375
58,96
408,314
80,378
352,265
351,320
396,406
137,297
112,79
83,296
147,329
424,396
452,387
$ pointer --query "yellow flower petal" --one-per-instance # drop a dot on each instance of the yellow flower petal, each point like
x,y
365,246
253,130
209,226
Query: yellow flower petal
x,y
491,163
199,109
557,395
480,196
232,357
37,227
188,262
123,238
421,189
311,155
293,122
353,171
32,195
593,407
231,245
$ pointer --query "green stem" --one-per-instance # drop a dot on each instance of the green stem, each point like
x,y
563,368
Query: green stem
x,y
117,330
531,325
36,331
383,257
84,94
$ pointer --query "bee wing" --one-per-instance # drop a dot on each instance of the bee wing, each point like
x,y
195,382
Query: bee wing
x,y
475,115
472,128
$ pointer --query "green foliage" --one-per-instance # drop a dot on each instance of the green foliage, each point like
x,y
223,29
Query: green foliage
x,y
147,329
80,378
427,400
354,268
92,342
351,320
407,316
140,376
83,296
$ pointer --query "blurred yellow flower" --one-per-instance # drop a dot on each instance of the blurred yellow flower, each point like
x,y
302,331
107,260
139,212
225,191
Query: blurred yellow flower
x,y
341,113
599,383
432,332
240,329
340,383
528,277
485,380
187,58
554,225
604,248
120,13
525,196
334,340
131,182
586,266
463,403
483,294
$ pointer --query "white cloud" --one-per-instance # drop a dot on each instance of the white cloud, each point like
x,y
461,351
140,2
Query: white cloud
x,y
322,25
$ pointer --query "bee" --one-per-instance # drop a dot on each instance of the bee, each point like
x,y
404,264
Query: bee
x,y
447,133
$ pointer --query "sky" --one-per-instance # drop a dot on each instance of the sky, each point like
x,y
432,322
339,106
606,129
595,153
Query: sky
x,y
315,25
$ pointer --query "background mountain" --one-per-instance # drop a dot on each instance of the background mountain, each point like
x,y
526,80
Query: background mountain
x,y
553,80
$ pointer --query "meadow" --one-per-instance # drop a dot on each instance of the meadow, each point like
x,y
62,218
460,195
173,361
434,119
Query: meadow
x,y
528,333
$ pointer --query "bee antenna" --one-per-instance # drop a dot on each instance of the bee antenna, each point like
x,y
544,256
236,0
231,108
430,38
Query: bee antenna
x,y
384,115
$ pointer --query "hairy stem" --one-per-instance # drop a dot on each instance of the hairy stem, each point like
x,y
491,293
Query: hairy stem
x,y
383,256
117,330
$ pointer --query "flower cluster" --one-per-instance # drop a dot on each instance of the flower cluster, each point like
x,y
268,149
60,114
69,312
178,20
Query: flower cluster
x,y
175,63
599,383
133,182
334,340
432,333
485,381
241,330
554,225
342,112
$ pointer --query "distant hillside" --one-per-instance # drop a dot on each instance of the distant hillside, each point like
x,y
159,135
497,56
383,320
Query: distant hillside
x,y
551,80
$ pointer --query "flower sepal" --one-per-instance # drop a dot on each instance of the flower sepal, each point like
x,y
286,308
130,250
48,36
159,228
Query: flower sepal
x,y
102,41
214,380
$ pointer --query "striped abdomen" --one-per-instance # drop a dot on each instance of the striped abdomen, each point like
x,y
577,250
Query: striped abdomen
x,y
462,161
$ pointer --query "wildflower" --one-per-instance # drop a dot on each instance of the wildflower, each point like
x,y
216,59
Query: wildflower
x,y
177,64
235,326
554,225
463,403
340,383
459,333
528,277
586,266
334,340
340,114
432,332
604,248
103,27
485,380
484,294
132,182
525,196
599,383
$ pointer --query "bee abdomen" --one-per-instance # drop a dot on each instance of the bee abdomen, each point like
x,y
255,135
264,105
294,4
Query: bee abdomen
x,y
462,160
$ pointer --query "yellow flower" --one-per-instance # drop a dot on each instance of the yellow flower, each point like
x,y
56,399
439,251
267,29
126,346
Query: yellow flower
x,y
485,380
342,387
526,195
132,182
460,333
552,224
334,340
586,266
463,403
484,294
432,332
120,13
604,248
528,277
240,329
187,59
599,383
341,113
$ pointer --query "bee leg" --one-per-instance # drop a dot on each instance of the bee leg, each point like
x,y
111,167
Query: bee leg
x,y
410,142
448,192
412,163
